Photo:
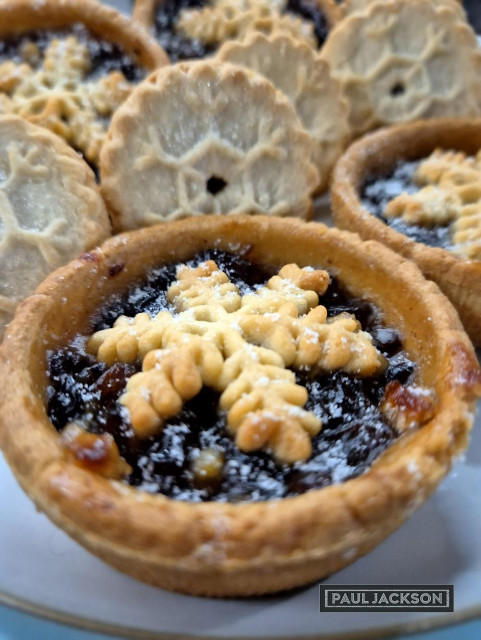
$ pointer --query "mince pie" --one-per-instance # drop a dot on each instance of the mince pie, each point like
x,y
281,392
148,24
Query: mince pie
x,y
417,189
205,137
68,66
406,59
189,29
50,209
234,405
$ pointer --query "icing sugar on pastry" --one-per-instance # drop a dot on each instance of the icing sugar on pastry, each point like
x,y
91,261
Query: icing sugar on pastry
x,y
296,69
240,346
211,138
402,60
451,195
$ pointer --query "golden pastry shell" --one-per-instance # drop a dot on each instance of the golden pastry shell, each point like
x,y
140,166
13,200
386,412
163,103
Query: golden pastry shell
x,y
19,16
458,278
218,549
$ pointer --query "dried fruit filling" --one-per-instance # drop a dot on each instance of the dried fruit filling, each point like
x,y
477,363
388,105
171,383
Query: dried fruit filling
x,y
104,56
378,191
194,458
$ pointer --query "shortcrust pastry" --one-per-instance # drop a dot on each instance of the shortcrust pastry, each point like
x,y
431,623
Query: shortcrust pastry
x,y
67,66
261,491
403,60
50,210
420,194
296,69
195,28
205,137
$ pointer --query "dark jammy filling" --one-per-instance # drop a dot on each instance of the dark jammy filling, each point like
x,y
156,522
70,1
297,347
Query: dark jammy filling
x,y
354,430
175,45
378,191
179,47
309,10
105,56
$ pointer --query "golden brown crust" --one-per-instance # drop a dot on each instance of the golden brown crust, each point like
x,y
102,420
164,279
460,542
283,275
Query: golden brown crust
x,y
18,16
458,278
144,11
226,549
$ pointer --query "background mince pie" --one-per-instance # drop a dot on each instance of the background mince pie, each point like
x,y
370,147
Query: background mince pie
x,y
67,66
391,334
415,187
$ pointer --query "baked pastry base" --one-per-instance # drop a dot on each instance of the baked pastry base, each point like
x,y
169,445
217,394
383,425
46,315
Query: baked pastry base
x,y
459,279
217,549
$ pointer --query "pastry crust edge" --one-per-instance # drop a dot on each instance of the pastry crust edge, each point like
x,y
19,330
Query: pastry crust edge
x,y
18,16
217,549
342,113
78,179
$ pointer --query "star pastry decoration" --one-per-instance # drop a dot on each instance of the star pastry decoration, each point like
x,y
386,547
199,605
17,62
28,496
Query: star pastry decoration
x,y
450,194
242,346
222,20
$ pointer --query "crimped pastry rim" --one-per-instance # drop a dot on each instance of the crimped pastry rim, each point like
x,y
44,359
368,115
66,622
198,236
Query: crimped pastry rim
x,y
366,16
130,113
216,548
143,11
77,178
382,149
17,16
